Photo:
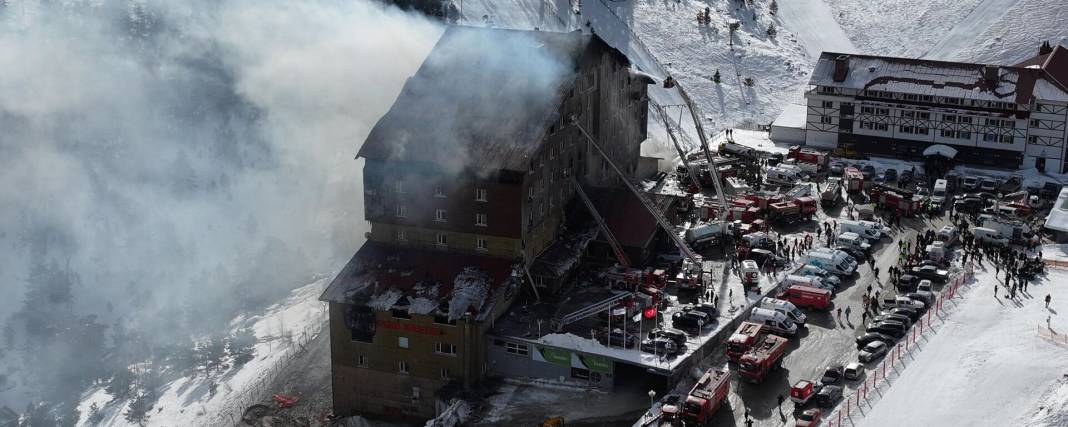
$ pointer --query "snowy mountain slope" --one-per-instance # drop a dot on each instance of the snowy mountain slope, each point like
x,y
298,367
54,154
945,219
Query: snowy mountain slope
x,y
188,401
815,26
991,366
900,27
1019,32
965,32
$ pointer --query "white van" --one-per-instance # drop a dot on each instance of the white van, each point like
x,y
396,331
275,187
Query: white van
x,y
938,194
781,175
777,322
785,307
806,281
853,240
990,235
835,261
866,229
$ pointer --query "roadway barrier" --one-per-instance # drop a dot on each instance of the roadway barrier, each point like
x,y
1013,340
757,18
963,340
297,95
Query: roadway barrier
x,y
879,378
1056,263
1050,334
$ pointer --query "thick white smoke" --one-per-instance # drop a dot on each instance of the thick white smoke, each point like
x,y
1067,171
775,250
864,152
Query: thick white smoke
x,y
172,163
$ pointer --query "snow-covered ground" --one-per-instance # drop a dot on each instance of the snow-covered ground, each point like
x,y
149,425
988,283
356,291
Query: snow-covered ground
x,y
987,365
281,331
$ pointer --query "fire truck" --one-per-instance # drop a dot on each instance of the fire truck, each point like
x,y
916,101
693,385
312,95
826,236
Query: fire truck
x,y
743,338
630,279
854,180
889,197
792,211
705,396
764,199
810,160
692,276
762,357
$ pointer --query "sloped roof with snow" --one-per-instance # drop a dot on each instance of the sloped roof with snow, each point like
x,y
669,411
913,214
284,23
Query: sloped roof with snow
x,y
484,97
384,277
938,78
1058,216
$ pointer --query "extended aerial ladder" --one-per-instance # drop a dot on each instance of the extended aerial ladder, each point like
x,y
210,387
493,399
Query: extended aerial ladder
x,y
695,114
590,310
664,223
616,247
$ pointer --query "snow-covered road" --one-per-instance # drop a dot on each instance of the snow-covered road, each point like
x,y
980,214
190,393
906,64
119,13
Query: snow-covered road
x,y
965,32
987,365
815,26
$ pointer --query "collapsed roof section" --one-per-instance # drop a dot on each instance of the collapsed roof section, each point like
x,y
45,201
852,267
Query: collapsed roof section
x,y
418,281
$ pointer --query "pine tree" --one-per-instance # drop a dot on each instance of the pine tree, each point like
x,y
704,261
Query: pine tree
x,y
771,31
120,384
95,416
137,412
242,346
773,8
716,77
749,81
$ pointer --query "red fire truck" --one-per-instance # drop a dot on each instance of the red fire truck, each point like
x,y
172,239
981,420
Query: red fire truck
x,y
896,199
743,338
630,279
762,357
793,211
854,180
705,396
810,160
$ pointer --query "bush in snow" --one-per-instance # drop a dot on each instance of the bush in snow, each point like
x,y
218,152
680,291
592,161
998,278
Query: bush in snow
x,y
771,31
716,77
749,81
773,8
242,346
95,416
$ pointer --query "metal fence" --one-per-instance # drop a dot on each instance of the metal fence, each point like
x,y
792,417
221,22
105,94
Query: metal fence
x,y
883,376
237,401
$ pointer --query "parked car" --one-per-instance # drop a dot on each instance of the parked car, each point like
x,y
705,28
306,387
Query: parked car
x,y
619,339
925,286
837,168
890,175
868,337
907,283
1011,185
831,375
854,371
679,337
763,256
891,328
931,273
901,301
854,252
927,298
705,308
809,418
688,322
660,345
828,396
909,312
968,204
905,178
894,317
988,184
872,352
970,183
868,171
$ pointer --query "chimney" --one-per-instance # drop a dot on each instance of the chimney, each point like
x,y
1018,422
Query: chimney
x,y
841,67
990,75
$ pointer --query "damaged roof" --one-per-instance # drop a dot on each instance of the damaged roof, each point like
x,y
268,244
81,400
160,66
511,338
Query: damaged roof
x,y
939,78
483,96
385,277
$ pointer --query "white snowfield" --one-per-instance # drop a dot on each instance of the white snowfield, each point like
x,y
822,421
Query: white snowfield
x,y
187,401
987,366
814,24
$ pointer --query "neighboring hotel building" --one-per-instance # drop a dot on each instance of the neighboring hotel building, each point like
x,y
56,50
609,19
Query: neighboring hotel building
x,y
995,115
466,182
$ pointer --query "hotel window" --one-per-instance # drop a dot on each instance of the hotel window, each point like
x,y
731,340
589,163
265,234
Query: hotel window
x,y
361,361
439,191
439,215
442,239
828,104
1035,123
398,187
444,348
825,119
480,195
444,373
481,244
402,342
867,110
401,237
480,220
1032,139
402,210
882,111
402,367
517,348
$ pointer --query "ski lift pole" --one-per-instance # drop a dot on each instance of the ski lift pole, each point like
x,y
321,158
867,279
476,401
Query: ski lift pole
x,y
670,229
